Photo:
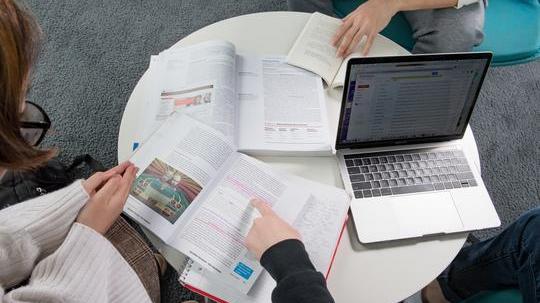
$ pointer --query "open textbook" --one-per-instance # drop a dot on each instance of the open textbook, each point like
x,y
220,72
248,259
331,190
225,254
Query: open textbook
x,y
313,50
320,223
193,192
263,104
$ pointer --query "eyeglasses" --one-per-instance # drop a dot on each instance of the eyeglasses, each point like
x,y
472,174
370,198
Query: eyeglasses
x,y
34,123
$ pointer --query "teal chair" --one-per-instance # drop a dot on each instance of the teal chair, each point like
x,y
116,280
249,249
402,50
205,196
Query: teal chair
x,y
503,296
512,29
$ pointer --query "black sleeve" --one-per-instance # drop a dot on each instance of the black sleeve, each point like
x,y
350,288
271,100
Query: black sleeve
x,y
297,280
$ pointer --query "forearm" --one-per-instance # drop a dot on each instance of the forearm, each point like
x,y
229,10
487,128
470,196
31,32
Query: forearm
x,y
297,280
33,229
85,268
411,5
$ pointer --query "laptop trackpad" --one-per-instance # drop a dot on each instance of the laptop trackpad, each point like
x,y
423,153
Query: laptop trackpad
x,y
428,213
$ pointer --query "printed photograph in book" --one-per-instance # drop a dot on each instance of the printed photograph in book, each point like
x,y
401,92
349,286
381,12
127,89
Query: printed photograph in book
x,y
165,190
192,97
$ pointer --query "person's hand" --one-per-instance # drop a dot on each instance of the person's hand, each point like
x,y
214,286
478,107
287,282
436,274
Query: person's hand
x,y
367,20
95,181
267,230
106,204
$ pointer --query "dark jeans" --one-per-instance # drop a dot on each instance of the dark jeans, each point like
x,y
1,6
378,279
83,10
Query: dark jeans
x,y
509,260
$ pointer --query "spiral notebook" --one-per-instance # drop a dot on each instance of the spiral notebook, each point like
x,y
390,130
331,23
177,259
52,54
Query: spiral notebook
x,y
321,226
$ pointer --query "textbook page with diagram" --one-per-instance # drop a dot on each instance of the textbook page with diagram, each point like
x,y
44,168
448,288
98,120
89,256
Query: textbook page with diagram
x,y
313,50
193,191
263,104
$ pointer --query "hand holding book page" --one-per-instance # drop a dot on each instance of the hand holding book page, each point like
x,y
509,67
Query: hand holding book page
x,y
313,50
193,192
215,237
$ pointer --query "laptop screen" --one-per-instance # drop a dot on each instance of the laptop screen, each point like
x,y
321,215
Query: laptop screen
x,y
409,99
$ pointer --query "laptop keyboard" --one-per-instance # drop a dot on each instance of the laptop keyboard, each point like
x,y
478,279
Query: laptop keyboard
x,y
408,171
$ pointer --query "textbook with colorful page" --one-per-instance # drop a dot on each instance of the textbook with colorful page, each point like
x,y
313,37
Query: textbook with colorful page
x,y
263,104
313,50
193,191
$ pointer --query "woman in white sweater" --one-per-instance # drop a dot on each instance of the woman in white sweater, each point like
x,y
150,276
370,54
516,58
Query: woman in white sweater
x,y
60,247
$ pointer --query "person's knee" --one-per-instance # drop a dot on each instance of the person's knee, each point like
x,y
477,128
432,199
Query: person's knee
x,y
530,234
532,219
452,30
452,38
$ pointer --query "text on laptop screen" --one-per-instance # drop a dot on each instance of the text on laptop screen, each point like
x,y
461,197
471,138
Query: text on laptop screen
x,y
398,101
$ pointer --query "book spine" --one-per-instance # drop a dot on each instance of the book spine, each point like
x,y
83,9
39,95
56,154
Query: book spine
x,y
184,270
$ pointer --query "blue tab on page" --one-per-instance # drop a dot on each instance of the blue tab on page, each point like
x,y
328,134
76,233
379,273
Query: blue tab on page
x,y
243,270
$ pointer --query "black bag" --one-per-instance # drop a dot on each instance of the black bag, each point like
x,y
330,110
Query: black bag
x,y
16,187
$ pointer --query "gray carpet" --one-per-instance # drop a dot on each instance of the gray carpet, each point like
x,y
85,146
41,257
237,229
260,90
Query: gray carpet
x,y
95,51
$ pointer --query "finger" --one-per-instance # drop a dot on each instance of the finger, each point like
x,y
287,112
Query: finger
x,y
341,30
97,179
105,193
249,240
346,41
262,207
94,181
120,197
354,43
120,168
369,43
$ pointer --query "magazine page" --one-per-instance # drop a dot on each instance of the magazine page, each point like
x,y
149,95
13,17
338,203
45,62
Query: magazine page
x,y
176,163
198,80
282,108
320,223
313,49
215,233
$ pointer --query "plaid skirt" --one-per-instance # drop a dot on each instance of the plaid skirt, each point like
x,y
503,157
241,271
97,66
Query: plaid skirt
x,y
138,255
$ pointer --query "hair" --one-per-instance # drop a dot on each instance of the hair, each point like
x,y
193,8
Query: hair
x,y
20,37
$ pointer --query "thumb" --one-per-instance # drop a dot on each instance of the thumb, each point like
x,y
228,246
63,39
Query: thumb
x,y
262,207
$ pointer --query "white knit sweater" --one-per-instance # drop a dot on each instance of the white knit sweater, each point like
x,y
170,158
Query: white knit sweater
x,y
65,261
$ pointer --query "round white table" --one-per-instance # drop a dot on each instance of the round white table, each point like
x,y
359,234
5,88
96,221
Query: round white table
x,y
384,272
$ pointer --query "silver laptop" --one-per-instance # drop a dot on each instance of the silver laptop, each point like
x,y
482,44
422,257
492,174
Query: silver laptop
x,y
400,147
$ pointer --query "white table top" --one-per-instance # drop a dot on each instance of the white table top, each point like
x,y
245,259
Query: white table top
x,y
385,272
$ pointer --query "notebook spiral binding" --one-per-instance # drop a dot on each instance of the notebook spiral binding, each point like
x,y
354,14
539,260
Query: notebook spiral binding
x,y
184,269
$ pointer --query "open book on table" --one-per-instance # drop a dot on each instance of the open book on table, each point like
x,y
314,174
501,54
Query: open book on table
x,y
193,192
313,50
263,104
